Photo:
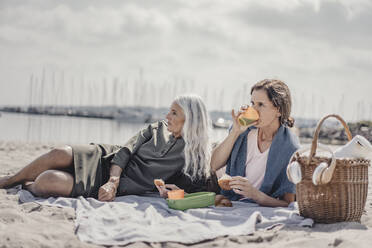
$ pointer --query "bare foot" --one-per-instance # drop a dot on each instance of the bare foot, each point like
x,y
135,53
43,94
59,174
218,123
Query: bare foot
x,y
4,182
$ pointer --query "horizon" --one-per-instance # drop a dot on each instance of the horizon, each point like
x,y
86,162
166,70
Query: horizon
x,y
321,49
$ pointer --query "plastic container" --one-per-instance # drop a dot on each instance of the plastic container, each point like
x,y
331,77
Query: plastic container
x,y
193,200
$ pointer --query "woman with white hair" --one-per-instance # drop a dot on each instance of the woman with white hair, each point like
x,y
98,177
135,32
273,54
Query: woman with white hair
x,y
177,150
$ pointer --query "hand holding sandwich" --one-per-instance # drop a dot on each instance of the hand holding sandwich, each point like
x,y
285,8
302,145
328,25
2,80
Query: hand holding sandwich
x,y
241,185
164,188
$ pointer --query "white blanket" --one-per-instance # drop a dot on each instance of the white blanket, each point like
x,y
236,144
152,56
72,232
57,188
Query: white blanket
x,y
138,218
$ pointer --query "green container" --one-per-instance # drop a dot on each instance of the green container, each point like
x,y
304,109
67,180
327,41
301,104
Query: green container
x,y
193,200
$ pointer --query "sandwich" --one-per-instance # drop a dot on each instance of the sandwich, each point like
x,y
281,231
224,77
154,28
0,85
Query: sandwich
x,y
224,182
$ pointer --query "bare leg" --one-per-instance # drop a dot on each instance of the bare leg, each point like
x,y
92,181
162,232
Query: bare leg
x,y
57,158
3,181
52,183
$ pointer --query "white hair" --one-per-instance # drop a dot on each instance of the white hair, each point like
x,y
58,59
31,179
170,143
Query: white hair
x,y
196,134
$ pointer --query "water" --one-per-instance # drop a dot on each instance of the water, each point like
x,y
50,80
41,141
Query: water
x,y
71,130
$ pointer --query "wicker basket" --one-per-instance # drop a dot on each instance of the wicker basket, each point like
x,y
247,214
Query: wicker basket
x,y
340,195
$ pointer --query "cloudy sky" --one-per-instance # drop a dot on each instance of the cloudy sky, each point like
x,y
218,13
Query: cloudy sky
x,y
217,48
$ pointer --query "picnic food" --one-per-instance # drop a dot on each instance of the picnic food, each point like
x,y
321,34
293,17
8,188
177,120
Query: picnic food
x,y
159,182
248,116
176,194
224,182
222,201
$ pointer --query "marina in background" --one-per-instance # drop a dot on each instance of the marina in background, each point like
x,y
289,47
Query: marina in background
x,y
122,103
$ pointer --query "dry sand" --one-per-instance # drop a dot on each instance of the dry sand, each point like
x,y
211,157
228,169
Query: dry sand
x,y
32,225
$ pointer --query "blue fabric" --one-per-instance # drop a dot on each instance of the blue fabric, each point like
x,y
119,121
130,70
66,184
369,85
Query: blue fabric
x,y
275,183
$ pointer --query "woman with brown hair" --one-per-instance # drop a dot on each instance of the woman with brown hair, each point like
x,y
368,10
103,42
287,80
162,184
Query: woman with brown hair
x,y
256,156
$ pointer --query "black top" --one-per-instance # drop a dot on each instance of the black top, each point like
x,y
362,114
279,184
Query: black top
x,y
154,153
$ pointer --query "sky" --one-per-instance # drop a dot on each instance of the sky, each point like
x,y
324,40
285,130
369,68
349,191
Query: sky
x,y
138,52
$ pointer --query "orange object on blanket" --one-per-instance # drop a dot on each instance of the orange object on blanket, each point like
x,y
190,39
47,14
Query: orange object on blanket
x,y
176,194
159,182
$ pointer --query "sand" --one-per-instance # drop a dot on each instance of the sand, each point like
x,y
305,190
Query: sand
x,y
32,225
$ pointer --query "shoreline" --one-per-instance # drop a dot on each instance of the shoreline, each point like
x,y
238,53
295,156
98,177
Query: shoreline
x,y
331,134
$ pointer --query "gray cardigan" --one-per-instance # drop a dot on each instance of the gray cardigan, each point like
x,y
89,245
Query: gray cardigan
x,y
275,183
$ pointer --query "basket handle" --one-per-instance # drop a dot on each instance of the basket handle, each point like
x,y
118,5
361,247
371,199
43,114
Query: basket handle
x,y
325,174
316,134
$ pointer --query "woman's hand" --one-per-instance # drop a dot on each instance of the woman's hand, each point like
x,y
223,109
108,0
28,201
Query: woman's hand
x,y
222,152
237,128
242,186
163,190
107,192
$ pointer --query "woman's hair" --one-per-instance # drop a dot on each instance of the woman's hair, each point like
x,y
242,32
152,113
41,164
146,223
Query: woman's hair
x,y
196,134
279,94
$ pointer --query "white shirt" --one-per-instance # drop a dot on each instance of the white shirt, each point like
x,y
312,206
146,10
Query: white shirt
x,y
255,166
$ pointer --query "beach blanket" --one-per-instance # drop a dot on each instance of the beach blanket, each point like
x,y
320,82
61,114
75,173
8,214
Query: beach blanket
x,y
147,218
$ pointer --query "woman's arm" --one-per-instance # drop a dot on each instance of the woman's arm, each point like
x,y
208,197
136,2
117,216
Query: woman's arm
x,y
222,152
107,192
242,186
268,201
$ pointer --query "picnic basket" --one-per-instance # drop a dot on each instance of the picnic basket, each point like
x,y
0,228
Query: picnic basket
x,y
340,194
